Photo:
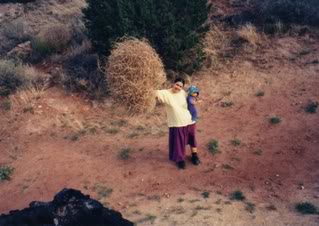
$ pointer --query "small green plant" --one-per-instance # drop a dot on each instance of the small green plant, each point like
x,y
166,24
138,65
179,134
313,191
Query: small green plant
x,y
28,109
213,146
137,212
75,137
227,103
271,207
306,208
205,194
119,123
237,195
258,152
125,153
260,93
102,191
6,105
112,130
5,172
132,135
154,197
148,217
312,107
250,207
274,120
235,142
227,167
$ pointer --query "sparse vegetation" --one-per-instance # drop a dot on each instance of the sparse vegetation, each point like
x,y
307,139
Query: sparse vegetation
x,y
289,11
102,191
82,73
260,93
14,75
54,38
249,34
125,153
227,167
5,172
112,130
206,194
6,104
311,107
271,207
213,146
237,195
119,123
235,142
258,152
227,104
17,30
250,207
148,217
274,120
306,208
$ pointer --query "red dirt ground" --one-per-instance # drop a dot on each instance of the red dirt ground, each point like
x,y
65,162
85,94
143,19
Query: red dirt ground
x,y
275,166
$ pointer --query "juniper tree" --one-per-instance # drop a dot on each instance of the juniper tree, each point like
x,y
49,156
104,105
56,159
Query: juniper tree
x,y
173,27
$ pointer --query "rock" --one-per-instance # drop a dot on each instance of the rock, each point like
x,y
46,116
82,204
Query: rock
x,y
21,51
69,208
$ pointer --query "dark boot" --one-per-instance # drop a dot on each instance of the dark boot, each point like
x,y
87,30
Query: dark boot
x,y
195,159
181,165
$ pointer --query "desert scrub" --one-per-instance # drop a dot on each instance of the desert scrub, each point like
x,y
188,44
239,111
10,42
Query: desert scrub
x,y
205,194
56,37
10,76
124,154
5,172
306,208
213,146
311,107
226,104
14,75
235,142
6,104
237,195
259,93
274,119
249,34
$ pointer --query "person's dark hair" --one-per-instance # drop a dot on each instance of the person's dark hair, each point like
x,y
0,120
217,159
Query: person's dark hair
x,y
179,80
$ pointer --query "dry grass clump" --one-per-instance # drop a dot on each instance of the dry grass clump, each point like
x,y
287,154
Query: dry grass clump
x,y
215,42
17,30
52,39
14,75
249,33
134,71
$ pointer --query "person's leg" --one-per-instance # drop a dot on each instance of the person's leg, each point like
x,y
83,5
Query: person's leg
x,y
193,143
177,145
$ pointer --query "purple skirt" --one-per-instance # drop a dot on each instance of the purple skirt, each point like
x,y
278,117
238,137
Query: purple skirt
x,y
179,137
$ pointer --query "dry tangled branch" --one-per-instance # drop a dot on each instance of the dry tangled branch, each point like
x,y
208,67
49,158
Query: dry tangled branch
x,y
134,71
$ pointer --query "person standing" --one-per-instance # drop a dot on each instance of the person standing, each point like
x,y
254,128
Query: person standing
x,y
182,130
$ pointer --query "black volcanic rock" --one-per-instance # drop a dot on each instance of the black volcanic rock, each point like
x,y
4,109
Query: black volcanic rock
x,y
69,208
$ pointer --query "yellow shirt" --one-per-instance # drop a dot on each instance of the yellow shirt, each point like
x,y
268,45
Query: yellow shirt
x,y
176,107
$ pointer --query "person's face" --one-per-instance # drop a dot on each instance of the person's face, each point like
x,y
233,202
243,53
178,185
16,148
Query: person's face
x,y
194,94
177,86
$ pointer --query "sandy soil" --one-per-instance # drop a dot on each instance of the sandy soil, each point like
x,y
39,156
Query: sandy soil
x,y
55,140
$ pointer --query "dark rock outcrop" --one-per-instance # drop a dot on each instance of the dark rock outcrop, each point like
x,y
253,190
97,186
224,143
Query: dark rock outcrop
x,y
69,208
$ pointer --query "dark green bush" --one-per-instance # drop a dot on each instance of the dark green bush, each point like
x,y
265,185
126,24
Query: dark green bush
x,y
10,77
174,27
82,74
289,11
